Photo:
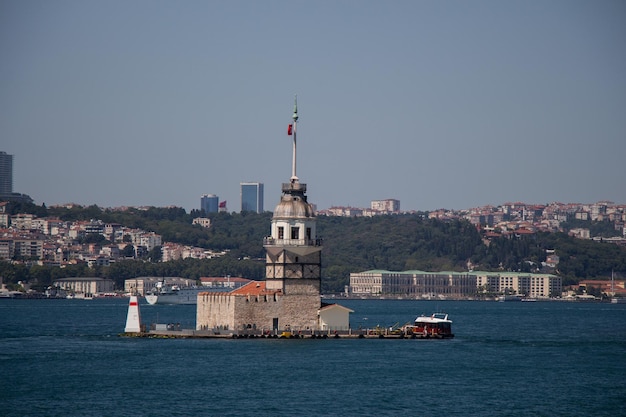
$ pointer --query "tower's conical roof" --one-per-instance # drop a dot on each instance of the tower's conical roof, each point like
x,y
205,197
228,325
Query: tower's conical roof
x,y
293,203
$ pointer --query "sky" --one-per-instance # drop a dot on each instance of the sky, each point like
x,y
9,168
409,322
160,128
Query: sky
x,y
439,104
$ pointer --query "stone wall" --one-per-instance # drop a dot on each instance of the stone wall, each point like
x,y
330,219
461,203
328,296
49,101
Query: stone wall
x,y
215,310
302,286
237,312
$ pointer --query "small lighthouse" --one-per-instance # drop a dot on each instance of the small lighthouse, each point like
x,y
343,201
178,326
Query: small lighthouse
x,y
133,319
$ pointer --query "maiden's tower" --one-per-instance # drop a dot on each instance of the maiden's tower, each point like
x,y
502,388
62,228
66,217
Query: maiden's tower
x,y
289,298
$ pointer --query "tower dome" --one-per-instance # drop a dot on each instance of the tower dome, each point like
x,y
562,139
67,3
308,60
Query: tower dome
x,y
293,203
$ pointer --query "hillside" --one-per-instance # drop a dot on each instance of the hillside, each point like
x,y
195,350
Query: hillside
x,y
402,242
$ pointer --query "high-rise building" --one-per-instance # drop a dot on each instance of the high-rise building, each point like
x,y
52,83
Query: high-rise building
x,y
252,196
6,173
209,203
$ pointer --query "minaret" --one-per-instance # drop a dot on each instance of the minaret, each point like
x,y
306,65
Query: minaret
x,y
293,251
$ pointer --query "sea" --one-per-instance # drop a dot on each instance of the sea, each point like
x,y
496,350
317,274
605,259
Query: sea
x,y
67,358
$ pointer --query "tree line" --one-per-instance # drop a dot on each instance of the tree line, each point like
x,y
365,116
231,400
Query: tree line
x,y
351,244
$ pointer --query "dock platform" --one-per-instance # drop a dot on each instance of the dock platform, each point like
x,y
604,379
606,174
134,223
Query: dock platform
x,y
255,334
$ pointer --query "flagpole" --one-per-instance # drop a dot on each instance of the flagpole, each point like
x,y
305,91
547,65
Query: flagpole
x,y
294,177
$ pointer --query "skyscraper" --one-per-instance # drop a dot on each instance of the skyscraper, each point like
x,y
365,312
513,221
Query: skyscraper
x,y
6,173
252,196
209,203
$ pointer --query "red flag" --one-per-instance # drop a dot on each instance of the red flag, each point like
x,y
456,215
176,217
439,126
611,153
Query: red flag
x,y
290,130
222,204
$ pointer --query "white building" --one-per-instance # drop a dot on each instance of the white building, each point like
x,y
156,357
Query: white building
x,y
334,317
202,221
522,283
22,221
422,284
389,205
4,216
87,286
141,285
148,240
412,284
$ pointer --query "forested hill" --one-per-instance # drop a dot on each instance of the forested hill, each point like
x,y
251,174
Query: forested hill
x,y
395,242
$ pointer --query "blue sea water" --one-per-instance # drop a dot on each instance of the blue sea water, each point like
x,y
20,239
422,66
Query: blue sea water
x,y
66,358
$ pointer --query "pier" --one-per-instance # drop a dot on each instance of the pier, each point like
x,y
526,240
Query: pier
x,y
178,333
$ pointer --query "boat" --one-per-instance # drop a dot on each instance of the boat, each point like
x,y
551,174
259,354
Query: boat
x,y
437,326
173,294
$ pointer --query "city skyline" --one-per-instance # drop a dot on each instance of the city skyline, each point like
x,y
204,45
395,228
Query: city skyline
x,y
438,105
260,201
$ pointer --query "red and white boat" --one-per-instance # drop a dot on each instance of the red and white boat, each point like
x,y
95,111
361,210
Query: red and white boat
x,y
436,326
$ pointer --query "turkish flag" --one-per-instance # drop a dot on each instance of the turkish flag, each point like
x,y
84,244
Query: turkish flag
x,y
290,130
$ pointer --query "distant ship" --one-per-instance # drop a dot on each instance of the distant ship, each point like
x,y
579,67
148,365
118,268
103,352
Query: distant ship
x,y
173,294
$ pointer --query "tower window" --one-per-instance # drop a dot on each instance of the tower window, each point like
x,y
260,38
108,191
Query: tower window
x,y
281,232
295,233
308,233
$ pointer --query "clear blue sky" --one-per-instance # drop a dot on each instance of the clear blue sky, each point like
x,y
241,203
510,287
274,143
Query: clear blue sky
x,y
440,104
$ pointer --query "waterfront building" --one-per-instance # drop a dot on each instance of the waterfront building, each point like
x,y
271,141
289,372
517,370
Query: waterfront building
x,y
451,285
209,203
521,283
412,284
252,196
141,285
611,287
334,317
86,286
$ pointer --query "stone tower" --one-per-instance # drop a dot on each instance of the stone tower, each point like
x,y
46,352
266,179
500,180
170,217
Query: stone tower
x,y
289,298
293,251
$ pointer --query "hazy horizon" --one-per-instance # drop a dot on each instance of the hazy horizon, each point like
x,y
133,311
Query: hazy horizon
x,y
437,104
